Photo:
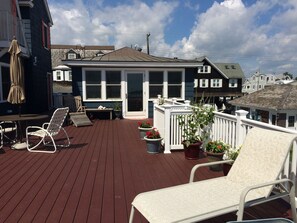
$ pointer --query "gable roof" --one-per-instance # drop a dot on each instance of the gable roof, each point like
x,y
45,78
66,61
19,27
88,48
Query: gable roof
x,y
276,97
130,57
228,70
231,70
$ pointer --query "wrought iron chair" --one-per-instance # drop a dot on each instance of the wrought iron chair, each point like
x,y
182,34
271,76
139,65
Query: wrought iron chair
x,y
35,135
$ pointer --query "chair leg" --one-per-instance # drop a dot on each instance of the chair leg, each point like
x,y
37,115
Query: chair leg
x,y
293,203
131,214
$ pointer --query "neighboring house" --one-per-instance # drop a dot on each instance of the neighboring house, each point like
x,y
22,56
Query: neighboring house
x,y
258,81
218,82
65,52
276,105
133,78
29,22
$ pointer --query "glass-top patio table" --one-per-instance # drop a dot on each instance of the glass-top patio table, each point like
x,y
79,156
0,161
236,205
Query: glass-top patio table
x,y
20,118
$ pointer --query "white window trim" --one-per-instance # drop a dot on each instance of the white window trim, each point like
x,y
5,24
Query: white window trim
x,y
206,69
201,83
123,82
212,83
235,83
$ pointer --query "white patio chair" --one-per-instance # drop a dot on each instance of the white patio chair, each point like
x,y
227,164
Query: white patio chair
x,y
250,181
9,131
36,135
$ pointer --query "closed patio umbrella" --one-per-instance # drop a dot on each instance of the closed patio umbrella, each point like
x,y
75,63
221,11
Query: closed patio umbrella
x,y
16,93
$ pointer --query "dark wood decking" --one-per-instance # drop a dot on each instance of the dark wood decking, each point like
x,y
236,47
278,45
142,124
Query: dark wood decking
x,y
96,179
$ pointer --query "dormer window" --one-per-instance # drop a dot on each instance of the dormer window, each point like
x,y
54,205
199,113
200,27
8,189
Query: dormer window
x,y
99,54
71,55
204,69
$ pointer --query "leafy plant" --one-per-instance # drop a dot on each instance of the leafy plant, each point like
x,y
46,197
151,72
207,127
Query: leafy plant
x,y
231,153
194,125
217,146
117,106
153,134
144,124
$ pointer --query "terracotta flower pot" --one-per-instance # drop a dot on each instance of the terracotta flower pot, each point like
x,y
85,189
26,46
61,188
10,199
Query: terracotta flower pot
x,y
192,151
213,157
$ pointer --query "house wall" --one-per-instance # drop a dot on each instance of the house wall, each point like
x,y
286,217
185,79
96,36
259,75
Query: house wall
x,y
78,88
38,65
273,117
224,91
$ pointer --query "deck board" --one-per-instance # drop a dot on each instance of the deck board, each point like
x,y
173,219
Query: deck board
x,y
97,177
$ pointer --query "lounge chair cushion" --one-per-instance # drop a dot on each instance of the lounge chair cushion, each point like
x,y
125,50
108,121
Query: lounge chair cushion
x,y
174,204
254,165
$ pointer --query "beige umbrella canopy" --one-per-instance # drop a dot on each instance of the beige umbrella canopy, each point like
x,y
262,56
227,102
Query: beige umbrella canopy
x,y
16,93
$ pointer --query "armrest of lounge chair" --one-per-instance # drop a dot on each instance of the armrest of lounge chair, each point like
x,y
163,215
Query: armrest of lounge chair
x,y
244,193
193,171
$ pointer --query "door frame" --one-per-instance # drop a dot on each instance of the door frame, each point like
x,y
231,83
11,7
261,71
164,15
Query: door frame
x,y
143,113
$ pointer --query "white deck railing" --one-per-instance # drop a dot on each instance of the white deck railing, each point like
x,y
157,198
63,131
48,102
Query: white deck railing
x,y
232,129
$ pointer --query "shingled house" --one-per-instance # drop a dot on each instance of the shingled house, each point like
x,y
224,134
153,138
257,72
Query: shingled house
x,y
217,82
62,74
276,105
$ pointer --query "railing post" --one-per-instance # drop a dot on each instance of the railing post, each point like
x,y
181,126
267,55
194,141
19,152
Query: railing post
x,y
156,102
167,128
240,115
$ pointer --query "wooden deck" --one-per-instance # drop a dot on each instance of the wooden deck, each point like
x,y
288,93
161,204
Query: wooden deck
x,y
96,179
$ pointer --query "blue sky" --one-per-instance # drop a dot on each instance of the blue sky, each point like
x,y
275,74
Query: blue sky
x,y
260,35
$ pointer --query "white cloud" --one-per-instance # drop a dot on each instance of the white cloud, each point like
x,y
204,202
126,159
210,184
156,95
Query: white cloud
x,y
232,32
260,36
122,25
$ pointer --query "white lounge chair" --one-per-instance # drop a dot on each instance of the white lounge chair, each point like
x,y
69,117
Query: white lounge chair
x,y
9,131
36,135
250,181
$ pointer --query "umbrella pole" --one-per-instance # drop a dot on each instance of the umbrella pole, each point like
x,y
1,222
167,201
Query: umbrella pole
x,y
20,110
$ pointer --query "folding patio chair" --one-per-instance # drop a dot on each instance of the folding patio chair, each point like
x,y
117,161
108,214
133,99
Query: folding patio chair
x,y
35,135
79,118
255,172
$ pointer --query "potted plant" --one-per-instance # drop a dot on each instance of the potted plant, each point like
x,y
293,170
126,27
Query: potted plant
x,y
143,127
153,141
230,154
117,110
195,129
215,151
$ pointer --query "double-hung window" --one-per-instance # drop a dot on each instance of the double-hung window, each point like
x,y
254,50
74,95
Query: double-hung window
x,y
174,84
45,35
232,83
156,79
93,84
59,77
216,83
113,84
203,83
